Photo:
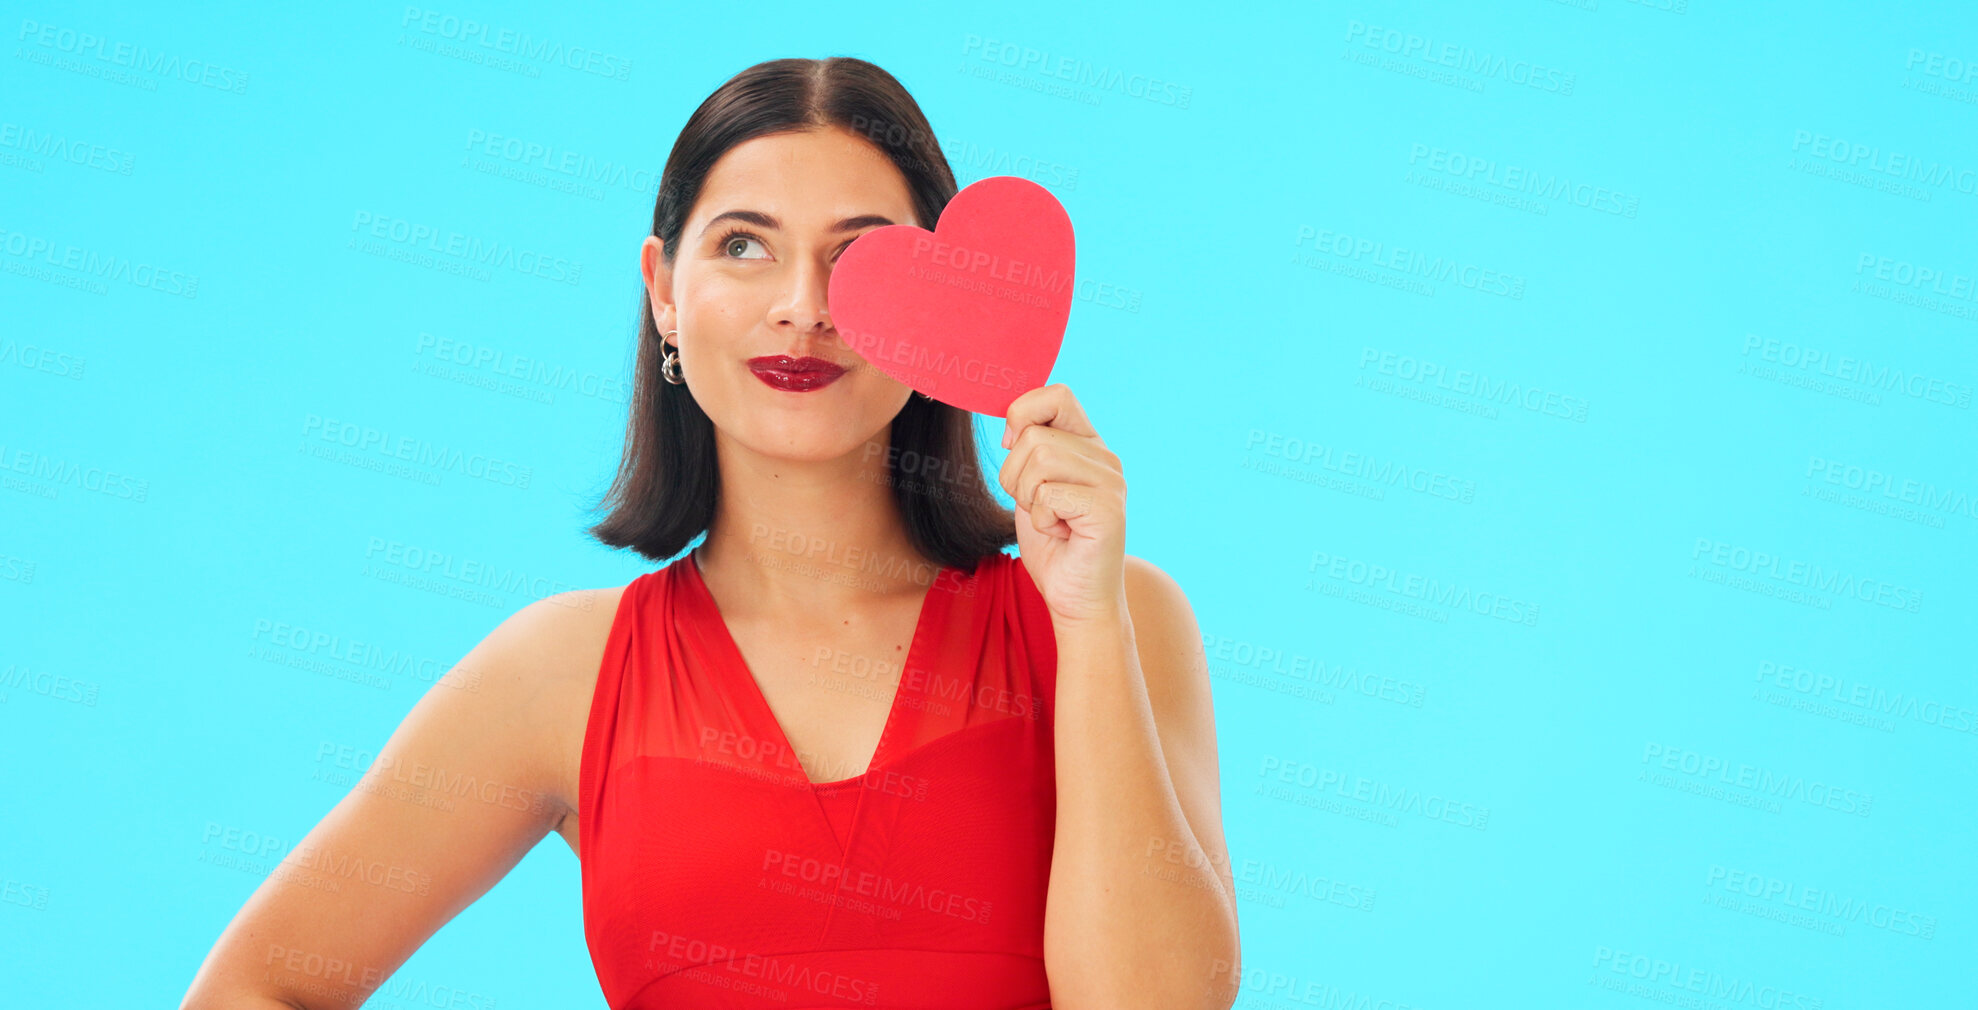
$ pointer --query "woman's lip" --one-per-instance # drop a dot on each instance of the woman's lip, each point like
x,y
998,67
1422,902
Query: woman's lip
x,y
796,366
795,375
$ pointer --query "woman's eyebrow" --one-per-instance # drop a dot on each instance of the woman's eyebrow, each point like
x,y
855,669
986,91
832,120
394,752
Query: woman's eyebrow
x,y
759,219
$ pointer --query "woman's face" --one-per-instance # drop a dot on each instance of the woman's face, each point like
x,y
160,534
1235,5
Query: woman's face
x,y
749,283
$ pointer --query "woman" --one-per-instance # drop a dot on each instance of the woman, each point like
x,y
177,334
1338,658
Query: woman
x,y
846,752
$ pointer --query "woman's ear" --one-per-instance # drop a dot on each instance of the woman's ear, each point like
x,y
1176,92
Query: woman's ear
x,y
659,283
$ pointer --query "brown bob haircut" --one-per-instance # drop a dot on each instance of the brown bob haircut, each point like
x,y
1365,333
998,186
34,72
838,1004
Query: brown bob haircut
x,y
668,481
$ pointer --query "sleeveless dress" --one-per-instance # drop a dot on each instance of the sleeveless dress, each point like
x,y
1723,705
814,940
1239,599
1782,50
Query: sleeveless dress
x,y
717,875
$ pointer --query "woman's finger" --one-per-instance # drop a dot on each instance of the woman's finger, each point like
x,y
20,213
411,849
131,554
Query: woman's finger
x,y
1060,444
1052,405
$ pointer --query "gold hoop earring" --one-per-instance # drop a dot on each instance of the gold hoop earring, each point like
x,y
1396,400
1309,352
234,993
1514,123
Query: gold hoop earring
x,y
669,366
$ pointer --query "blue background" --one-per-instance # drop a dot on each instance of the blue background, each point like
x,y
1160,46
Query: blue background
x,y
1427,804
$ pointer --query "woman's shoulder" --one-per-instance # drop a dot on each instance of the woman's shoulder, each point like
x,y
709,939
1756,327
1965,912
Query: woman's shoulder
x,y
560,621
545,658
571,624
562,638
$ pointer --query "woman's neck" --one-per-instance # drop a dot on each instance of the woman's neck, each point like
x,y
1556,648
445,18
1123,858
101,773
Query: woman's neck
x,y
811,536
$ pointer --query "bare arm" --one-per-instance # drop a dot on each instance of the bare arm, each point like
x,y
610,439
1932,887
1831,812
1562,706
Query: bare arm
x,y
1142,908
470,781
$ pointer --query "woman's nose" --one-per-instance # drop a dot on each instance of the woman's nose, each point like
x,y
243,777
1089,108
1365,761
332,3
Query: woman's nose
x,y
804,304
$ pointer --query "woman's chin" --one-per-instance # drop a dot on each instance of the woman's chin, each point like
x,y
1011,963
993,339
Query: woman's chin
x,y
803,446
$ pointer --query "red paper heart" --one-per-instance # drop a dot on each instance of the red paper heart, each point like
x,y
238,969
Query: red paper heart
x,y
972,313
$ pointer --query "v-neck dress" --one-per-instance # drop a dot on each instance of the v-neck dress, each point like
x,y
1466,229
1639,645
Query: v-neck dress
x,y
716,874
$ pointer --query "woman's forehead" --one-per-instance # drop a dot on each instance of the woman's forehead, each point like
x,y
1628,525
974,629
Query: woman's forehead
x,y
806,180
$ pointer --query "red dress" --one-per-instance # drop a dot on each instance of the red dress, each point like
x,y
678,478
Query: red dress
x,y
716,874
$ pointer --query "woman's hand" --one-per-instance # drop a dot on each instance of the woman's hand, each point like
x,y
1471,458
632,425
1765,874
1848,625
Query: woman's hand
x,y
1070,505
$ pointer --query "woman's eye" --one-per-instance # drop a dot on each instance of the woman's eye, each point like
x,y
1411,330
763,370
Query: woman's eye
x,y
737,246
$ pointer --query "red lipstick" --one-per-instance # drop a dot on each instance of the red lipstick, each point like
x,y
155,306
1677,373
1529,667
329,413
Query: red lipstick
x,y
796,375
